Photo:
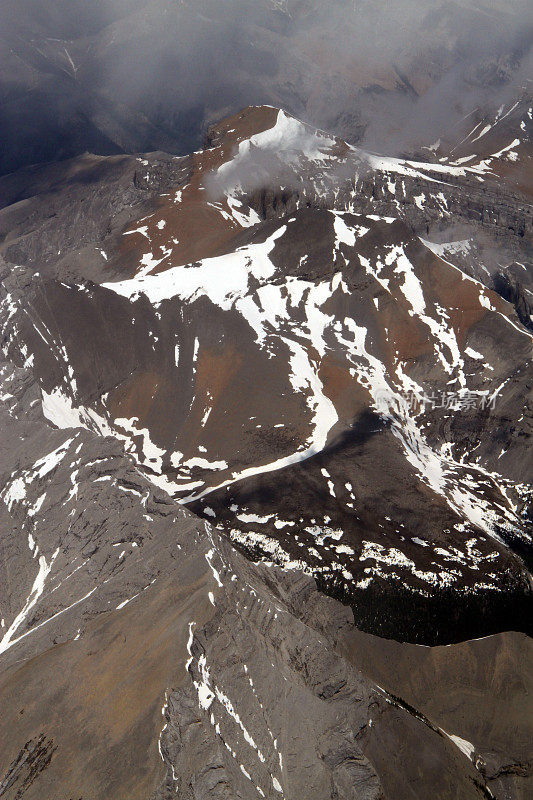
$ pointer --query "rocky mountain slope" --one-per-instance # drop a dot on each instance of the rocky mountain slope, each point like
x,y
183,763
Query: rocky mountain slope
x,y
142,656
377,349
252,396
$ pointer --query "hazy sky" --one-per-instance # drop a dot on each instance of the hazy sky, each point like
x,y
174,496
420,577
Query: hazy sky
x,y
112,75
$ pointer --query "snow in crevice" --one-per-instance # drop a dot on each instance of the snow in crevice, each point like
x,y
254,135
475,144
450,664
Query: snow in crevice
x,y
390,395
37,590
228,724
15,491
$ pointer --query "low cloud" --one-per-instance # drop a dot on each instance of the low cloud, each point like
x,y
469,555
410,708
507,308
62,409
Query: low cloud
x,y
137,75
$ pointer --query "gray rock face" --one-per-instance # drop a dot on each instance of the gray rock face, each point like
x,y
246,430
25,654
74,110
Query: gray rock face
x,y
504,215
54,211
